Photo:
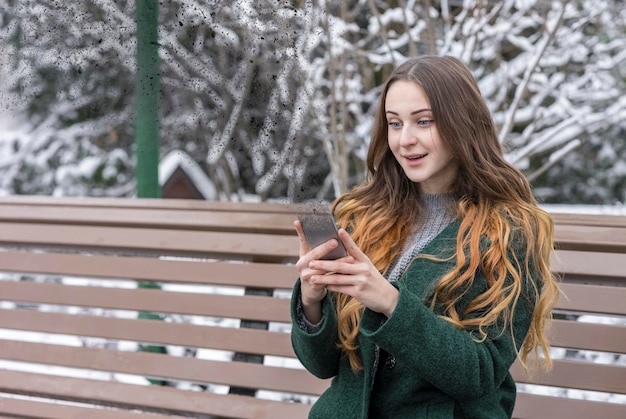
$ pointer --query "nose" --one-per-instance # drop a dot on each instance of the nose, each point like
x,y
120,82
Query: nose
x,y
407,136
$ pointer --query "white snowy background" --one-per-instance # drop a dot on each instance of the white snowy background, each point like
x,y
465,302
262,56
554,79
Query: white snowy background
x,y
274,100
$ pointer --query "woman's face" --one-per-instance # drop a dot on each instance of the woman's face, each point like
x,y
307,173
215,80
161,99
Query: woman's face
x,y
414,139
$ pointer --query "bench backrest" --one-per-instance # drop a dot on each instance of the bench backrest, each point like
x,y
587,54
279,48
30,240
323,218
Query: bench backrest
x,y
83,278
589,328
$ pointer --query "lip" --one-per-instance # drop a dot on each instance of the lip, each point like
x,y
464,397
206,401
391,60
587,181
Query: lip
x,y
414,159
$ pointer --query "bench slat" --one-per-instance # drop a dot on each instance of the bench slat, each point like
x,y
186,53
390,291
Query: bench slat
x,y
603,220
205,243
162,270
593,238
577,374
239,307
22,408
588,336
532,406
150,331
593,299
587,264
145,203
159,366
158,219
151,398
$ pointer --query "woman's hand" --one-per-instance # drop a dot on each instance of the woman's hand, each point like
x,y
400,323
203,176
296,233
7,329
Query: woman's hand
x,y
311,293
354,275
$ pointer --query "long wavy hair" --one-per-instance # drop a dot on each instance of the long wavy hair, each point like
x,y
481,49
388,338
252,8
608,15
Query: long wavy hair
x,y
494,201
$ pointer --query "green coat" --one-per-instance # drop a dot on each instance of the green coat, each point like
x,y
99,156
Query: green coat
x,y
440,372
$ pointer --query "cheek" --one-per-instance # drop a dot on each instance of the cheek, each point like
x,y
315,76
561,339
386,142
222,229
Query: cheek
x,y
392,141
394,147
438,144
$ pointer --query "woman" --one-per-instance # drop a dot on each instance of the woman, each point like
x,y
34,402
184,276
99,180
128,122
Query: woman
x,y
447,277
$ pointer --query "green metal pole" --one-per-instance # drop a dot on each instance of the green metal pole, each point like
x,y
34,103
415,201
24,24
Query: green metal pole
x,y
147,95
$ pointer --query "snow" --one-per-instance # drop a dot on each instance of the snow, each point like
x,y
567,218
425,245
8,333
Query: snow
x,y
280,74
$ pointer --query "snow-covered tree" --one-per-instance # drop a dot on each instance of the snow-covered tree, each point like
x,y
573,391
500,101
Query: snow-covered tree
x,y
276,98
553,73
71,65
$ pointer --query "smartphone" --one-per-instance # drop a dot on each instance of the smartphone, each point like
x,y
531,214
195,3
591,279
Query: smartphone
x,y
319,228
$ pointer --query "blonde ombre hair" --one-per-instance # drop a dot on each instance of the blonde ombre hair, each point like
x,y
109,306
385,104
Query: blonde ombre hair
x,y
494,201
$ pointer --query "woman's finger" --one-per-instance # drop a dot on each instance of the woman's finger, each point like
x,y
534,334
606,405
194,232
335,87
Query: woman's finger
x,y
350,245
304,244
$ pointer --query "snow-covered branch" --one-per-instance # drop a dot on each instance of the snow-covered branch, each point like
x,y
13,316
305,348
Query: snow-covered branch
x,y
546,40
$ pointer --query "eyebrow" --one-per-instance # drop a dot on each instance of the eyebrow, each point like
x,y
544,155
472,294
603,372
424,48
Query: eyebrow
x,y
412,113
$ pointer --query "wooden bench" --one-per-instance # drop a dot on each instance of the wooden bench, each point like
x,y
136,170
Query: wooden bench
x,y
75,281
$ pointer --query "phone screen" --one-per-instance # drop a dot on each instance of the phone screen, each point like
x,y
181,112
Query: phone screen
x,y
318,229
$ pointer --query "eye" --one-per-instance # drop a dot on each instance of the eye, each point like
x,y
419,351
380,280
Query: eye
x,y
425,122
395,124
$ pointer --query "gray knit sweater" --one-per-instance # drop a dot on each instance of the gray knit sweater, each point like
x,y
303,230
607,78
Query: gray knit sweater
x,y
439,211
